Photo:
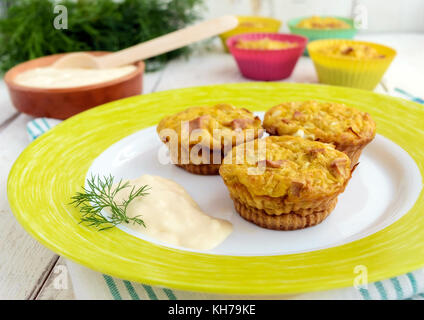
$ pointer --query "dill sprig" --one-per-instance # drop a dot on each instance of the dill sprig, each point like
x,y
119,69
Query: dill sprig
x,y
100,194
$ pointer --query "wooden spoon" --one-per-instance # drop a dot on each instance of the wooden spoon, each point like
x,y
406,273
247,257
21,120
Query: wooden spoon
x,y
151,48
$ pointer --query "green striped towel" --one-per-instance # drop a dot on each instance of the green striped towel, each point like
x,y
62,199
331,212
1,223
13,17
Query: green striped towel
x,y
88,284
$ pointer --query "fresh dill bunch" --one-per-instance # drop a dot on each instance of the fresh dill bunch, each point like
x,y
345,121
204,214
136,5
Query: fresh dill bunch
x,y
27,31
100,195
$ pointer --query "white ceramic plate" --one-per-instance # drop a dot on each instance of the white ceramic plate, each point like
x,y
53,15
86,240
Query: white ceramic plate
x,y
383,188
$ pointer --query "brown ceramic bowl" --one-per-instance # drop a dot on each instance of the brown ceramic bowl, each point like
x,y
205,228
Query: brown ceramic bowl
x,y
62,103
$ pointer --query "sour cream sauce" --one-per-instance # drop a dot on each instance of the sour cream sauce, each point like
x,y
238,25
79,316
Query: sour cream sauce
x,y
172,216
49,77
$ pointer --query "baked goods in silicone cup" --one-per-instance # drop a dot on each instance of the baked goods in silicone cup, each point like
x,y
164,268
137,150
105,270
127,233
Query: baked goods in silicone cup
x,y
267,65
348,129
284,182
317,34
264,44
199,137
347,70
251,24
323,23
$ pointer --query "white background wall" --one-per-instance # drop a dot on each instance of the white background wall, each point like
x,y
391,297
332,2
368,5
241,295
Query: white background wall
x,y
382,15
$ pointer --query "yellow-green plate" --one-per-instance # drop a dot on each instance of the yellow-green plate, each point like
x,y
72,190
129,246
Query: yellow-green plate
x,y
55,165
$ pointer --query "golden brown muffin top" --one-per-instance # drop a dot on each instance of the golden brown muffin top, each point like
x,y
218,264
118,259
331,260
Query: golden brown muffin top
x,y
285,166
350,50
321,121
265,44
213,127
316,22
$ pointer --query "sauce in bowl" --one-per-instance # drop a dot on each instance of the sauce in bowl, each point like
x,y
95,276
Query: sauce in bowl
x,y
49,77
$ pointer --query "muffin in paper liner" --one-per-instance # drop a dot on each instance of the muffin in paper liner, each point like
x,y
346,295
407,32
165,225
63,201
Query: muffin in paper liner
x,y
250,24
266,64
348,129
284,182
362,73
318,34
199,137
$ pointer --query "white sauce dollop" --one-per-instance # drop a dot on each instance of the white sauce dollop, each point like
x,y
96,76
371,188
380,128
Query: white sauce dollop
x,y
49,77
172,216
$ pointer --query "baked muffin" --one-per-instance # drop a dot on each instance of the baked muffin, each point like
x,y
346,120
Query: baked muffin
x,y
359,51
199,137
264,44
316,22
285,183
348,129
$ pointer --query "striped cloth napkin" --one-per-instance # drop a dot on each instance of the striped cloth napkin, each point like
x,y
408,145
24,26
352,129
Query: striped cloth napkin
x,y
89,284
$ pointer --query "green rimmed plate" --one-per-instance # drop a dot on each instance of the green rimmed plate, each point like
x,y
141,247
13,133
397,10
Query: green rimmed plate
x,y
54,167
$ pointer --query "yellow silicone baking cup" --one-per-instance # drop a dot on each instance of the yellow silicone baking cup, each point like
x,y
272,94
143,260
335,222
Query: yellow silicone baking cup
x,y
251,24
345,71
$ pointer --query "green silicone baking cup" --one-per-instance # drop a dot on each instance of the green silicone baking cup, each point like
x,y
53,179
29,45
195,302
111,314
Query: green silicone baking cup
x,y
317,34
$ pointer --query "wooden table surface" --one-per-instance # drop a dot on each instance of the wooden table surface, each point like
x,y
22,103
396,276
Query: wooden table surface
x,y
30,271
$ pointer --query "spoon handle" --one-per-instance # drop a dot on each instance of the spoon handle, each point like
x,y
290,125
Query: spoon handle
x,y
168,42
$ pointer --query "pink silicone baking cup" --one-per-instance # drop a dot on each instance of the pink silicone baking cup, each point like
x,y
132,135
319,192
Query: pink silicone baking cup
x,y
267,65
